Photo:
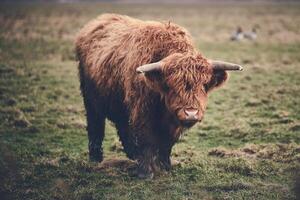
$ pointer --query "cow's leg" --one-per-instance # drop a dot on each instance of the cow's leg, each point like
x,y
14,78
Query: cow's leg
x,y
95,128
169,136
129,146
164,157
148,162
95,116
153,159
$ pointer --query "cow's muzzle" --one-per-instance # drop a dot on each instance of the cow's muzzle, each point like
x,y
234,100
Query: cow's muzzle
x,y
189,117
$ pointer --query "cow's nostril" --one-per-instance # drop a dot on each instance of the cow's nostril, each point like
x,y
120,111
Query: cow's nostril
x,y
191,113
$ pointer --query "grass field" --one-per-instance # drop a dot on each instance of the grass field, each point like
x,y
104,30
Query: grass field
x,y
247,147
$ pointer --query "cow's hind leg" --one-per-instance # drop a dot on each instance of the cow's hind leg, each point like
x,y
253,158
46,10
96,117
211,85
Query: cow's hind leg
x,y
95,117
95,128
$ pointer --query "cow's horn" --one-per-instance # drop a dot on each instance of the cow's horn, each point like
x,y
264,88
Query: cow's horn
x,y
149,67
225,65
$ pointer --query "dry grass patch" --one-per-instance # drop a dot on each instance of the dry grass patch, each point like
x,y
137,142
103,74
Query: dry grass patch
x,y
284,153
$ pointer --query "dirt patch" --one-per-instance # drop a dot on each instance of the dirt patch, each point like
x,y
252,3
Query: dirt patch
x,y
72,109
51,162
295,128
15,117
253,102
10,102
62,125
122,164
79,123
234,186
22,123
277,152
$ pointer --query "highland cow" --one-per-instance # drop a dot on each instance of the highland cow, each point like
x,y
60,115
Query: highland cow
x,y
149,80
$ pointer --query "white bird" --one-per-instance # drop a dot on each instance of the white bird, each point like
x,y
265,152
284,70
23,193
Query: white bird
x,y
251,35
237,35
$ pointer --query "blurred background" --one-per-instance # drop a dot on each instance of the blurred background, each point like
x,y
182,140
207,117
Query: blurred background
x,y
247,147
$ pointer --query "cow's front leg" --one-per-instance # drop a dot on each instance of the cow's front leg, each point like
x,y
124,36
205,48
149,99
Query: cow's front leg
x,y
164,157
148,162
167,141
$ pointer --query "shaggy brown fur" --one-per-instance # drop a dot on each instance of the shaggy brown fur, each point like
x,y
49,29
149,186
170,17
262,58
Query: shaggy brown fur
x,y
147,109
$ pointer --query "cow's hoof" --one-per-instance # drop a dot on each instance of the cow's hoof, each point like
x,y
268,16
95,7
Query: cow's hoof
x,y
144,172
96,156
166,166
145,175
96,159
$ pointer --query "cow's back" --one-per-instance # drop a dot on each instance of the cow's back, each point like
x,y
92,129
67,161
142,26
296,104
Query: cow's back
x,y
100,49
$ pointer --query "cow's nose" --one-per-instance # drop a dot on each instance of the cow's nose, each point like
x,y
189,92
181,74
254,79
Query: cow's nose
x,y
191,114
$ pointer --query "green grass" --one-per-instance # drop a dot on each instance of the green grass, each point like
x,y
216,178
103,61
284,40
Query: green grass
x,y
247,147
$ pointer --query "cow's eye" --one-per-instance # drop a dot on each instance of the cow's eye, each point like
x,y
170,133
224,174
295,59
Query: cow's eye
x,y
205,87
188,87
166,88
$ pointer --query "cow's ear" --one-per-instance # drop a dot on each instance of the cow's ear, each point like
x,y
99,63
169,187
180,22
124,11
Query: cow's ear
x,y
153,75
218,79
154,80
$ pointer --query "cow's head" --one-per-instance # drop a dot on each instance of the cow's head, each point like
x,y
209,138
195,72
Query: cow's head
x,y
184,80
